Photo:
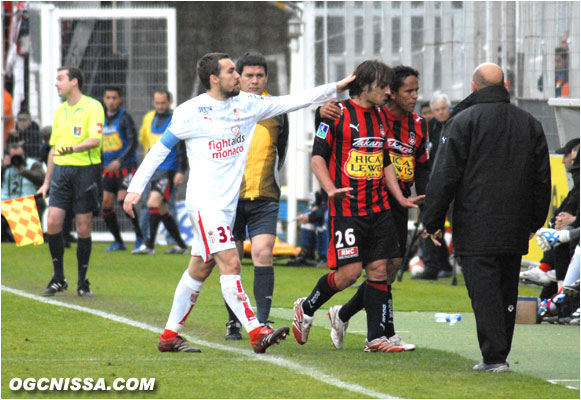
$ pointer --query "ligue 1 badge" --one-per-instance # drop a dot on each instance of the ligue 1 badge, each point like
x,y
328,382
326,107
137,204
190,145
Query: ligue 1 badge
x,y
322,131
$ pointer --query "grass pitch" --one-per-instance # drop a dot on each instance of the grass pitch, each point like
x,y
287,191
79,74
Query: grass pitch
x,y
45,340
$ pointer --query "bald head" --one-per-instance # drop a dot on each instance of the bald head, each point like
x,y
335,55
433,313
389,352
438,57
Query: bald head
x,y
487,74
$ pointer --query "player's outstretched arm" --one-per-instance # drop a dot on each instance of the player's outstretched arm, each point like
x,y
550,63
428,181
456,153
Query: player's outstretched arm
x,y
158,153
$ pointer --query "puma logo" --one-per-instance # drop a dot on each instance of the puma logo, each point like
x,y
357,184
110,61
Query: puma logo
x,y
354,127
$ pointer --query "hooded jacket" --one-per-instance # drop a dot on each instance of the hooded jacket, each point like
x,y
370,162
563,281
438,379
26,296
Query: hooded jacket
x,y
494,162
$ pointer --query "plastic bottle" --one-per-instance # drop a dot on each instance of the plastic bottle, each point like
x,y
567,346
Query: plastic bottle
x,y
449,318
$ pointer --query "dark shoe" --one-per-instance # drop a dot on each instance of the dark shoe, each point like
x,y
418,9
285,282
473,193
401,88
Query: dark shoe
x,y
572,290
482,366
55,287
84,290
233,330
263,337
116,246
427,275
176,344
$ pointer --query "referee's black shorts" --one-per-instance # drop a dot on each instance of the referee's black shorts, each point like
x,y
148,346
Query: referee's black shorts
x,y
76,188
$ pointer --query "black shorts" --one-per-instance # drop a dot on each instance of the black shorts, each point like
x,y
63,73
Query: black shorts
x,y
162,182
119,180
76,188
362,239
259,216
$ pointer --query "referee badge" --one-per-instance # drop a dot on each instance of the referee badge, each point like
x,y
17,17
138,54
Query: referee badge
x,y
322,131
77,131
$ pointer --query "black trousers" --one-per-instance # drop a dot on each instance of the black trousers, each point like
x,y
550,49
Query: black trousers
x,y
492,283
400,219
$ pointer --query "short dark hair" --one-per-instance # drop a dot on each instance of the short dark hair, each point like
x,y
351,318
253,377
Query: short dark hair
x,y
208,65
113,89
251,59
425,104
401,72
368,72
74,73
164,91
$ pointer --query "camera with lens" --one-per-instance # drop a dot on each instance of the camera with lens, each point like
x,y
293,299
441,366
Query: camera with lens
x,y
17,161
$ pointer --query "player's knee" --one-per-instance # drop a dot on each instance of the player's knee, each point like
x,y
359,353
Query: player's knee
x,y
346,277
107,203
54,225
262,256
83,230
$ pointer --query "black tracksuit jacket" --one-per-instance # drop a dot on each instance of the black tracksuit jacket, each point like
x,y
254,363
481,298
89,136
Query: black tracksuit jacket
x,y
493,161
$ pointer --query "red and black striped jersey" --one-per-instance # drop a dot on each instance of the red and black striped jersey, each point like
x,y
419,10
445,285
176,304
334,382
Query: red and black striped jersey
x,y
355,149
408,146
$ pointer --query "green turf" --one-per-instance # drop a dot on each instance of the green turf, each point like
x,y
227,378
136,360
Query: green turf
x,y
64,342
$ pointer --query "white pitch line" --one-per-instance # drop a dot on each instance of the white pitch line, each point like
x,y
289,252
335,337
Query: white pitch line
x,y
278,361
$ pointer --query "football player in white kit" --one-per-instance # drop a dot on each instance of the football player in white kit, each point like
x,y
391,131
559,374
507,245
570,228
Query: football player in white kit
x,y
217,127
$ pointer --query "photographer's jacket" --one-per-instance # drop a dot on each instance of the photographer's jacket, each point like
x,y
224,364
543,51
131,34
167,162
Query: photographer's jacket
x,y
19,184
494,162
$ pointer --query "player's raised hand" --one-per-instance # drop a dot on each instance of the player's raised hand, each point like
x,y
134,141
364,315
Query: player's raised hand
x,y
343,84
341,193
131,200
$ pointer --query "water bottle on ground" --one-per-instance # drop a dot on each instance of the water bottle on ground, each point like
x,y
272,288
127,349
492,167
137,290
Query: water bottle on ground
x,y
449,318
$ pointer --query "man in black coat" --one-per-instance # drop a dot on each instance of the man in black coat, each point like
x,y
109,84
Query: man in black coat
x,y
493,162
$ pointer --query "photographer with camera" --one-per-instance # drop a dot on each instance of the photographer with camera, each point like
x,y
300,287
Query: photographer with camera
x,y
21,176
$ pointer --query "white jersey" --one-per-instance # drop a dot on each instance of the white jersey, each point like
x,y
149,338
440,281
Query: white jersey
x,y
217,136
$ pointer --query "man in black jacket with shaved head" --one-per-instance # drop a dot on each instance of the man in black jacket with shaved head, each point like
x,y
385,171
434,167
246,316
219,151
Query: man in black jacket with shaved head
x,y
493,162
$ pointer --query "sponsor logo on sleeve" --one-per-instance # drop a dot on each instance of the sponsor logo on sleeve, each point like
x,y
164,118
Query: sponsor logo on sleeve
x,y
322,131
348,252
99,128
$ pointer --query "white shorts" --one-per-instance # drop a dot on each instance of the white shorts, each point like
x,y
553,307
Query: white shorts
x,y
212,232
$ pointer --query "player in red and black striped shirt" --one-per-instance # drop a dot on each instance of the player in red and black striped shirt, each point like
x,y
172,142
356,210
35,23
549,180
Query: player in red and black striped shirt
x,y
407,140
352,163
